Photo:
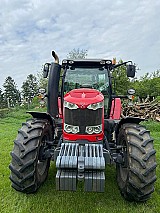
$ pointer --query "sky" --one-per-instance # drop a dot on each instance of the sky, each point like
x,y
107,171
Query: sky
x,y
31,29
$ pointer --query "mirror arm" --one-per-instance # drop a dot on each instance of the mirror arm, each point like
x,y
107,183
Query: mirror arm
x,y
124,63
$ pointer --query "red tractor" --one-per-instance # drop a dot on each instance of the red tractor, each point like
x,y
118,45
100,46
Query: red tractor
x,y
82,131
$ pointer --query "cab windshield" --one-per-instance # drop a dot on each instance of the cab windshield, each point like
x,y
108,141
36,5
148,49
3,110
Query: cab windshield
x,y
86,78
95,78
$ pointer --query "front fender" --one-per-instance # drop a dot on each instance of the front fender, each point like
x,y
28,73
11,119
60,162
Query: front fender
x,y
43,115
135,120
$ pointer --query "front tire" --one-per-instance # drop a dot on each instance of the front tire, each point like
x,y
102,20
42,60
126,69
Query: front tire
x,y
136,176
28,170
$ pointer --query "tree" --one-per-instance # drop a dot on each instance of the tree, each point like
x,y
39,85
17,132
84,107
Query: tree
x,y
30,88
3,103
42,82
155,84
148,85
122,82
11,93
77,54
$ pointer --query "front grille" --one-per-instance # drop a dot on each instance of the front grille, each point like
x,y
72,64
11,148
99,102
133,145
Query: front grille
x,y
83,118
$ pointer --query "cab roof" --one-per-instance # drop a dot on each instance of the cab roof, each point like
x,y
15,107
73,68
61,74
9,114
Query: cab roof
x,y
87,63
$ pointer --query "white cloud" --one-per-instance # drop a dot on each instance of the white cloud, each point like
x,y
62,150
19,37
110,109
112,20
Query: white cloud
x,y
30,29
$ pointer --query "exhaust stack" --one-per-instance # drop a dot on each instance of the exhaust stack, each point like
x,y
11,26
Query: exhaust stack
x,y
53,85
55,56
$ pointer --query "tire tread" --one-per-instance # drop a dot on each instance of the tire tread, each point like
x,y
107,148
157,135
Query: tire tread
x,y
140,182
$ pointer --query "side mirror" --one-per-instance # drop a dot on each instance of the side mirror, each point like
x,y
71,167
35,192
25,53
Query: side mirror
x,y
131,70
42,90
46,69
131,92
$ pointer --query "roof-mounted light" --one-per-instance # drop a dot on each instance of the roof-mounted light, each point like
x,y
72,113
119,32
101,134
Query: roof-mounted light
x,y
71,62
102,62
114,61
64,61
108,62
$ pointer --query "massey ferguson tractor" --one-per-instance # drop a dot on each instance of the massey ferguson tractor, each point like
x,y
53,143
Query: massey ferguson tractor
x,y
82,131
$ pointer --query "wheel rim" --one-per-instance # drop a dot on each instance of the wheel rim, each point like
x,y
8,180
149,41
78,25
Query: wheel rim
x,y
123,169
42,164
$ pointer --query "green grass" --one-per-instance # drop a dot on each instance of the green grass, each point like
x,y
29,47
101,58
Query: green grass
x,y
47,199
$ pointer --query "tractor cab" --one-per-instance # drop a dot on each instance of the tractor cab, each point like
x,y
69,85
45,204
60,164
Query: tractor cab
x,y
85,94
93,77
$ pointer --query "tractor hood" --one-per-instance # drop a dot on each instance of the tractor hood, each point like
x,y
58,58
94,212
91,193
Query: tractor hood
x,y
83,97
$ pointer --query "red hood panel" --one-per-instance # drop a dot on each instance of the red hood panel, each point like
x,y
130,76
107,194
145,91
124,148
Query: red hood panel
x,y
84,96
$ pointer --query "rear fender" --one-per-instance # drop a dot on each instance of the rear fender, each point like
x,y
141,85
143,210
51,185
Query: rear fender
x,y
127,120
116,109
43,115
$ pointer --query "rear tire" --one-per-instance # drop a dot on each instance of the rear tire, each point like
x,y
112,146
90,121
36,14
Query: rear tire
x,y
137,176
28,171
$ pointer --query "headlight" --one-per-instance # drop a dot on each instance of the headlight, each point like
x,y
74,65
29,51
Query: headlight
x,y
70,105
96,106
94,129
89,130
71,129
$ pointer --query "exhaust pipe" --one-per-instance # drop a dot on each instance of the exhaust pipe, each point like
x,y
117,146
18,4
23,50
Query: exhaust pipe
x,y
56,58
53,86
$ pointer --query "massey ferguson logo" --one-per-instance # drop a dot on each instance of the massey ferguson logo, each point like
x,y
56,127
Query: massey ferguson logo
x,y
82,105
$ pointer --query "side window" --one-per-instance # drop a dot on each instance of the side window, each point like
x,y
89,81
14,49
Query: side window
x,y
104,89
70,81
103,82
